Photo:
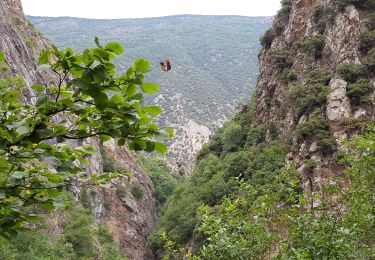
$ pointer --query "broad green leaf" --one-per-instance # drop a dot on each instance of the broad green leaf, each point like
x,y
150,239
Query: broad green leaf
x,y
161,148
11,96
18,174
141,66
38,88
80,84
153,110
117,99
149,88
132,90
2,57
23,130
115,47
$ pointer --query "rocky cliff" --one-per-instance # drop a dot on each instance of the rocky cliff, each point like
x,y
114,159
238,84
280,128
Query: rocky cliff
x,y
129,215
316,81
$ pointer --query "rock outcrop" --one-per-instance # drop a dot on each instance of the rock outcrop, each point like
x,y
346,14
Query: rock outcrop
x,y
308,35
130,219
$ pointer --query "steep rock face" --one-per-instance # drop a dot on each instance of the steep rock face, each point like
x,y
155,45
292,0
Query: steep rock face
x,y
341,33
130,219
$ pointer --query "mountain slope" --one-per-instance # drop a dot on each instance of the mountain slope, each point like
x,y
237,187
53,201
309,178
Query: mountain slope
x,y
272,181
214,64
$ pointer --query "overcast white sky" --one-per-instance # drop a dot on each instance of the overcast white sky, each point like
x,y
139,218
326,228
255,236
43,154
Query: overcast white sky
x,y
148,8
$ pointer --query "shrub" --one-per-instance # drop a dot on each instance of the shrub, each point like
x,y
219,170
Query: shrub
x,y
367,41
359,92
317,128
137,192
256,135
232,136
361,4
305,99
121,192
108,164
319,76
314,45
369,62
289,75
323,15
350,72
267,38
281,58
309,166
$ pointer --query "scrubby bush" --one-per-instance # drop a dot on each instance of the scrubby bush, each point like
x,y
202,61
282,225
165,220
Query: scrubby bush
x,y
359,92
367,41
314,45
323,15
121,192
256,135
232,137
305,98
317,128
289,75
361,4
163,178
137,192
369,62
309,166
319,76
267,38
350,72
282,59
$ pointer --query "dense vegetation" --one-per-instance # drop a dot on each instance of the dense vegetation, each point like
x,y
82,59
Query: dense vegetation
x,y
81,239
237,152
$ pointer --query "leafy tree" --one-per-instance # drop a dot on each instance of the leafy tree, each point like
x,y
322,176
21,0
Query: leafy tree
x,y
88,99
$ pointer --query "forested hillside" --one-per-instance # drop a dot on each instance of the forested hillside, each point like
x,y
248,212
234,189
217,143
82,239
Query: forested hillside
x,y
214,64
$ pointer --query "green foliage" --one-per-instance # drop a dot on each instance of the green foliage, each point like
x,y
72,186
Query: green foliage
x,y
358,92
249,224
305,99
323,15
282,59
367,41
214,178
101,104
256,135
267,38
361,4
165,181
79,232
289,75
319,76
85,198
121,192
137,192
314,45
33,244
80,240
350,72
317,128
279,24
369,62
232,136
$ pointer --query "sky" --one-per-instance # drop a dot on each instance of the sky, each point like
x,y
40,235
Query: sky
x,y
112,9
